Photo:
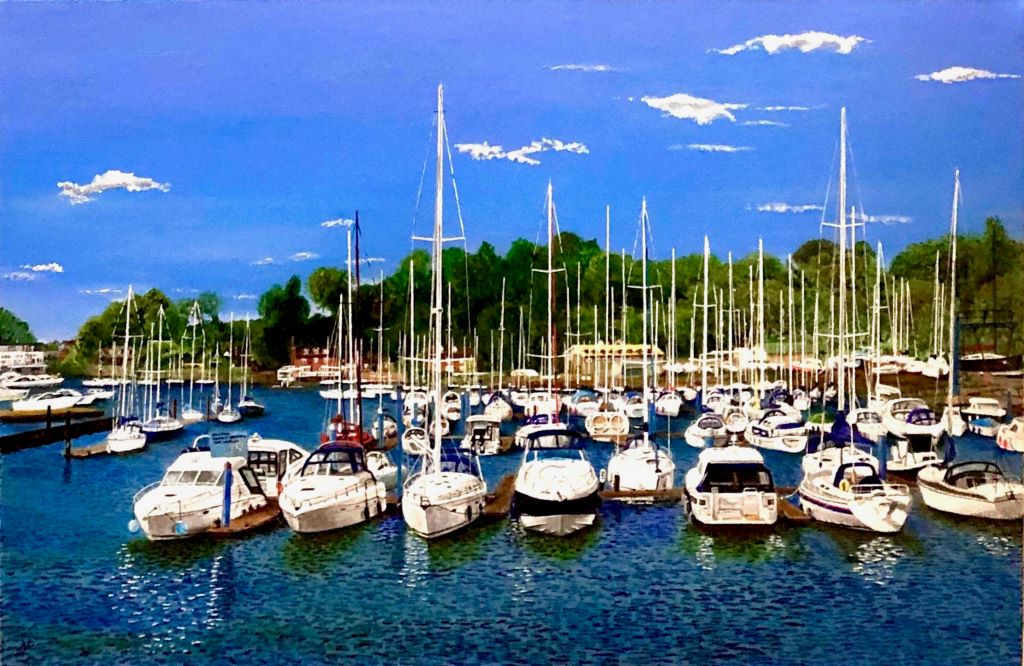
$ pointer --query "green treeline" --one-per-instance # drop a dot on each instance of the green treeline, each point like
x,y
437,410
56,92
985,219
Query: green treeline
x,y
990,269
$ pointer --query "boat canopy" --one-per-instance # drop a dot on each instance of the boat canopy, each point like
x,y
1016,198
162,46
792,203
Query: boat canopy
x,y
336,459
959,472
731,477
554,439
857,472
841,434
921,416
456,460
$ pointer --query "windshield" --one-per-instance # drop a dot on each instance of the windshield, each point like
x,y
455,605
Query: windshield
x,y
340,462
736,477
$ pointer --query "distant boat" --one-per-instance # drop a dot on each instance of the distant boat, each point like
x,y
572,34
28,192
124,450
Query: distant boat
x,y
248,406
127,434
227,413
52,400
16,380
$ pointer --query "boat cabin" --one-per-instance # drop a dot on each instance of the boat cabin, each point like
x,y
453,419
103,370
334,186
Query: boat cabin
x,y
967,475
335,459
733,469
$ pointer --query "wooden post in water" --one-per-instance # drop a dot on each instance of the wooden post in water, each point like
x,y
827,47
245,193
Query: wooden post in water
x,y
49,417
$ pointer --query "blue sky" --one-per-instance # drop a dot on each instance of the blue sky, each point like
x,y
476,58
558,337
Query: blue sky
x,y
261,121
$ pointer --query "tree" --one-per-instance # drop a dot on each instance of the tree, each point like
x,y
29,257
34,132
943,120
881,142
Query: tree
x,y
284,312
14,331
326,285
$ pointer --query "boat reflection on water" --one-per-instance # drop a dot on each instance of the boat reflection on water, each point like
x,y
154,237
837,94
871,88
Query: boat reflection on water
x,y
460,548
171,603
997,537
313,554
174,555
568,548
876,557
710,549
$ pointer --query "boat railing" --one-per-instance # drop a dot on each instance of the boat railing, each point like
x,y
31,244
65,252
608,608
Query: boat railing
x,y
885,488
344,492
145,490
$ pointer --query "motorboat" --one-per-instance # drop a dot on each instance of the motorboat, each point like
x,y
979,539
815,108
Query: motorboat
x,y
977,489
451,406
868,422
542,402
499,406
198,491
126,436
53,400
730,486
582,403
841,485
668,403
606,423
446,494
414,441
274,461
383,467
1010,436
641,465
97,394
483,435
983,426
907,417
556,488
9,394
707,430
332,490
538,423
248,407
983,416
16,380
635,405
777,431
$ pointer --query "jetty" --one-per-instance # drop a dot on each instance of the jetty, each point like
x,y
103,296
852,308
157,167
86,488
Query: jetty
x,y
262,518
56,432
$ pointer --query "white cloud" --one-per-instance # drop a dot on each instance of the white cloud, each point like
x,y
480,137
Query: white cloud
x,y
763,123
575,67
52,267
372,260
486,151
962,74
804,41
246,297
303,256
784,108
108,180
265,261
18,276
102,291
779,207
340,222
698,109
886,219
712,148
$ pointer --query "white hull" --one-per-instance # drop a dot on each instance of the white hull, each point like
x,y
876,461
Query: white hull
x,y
125,441
560,525
885,512
785,444
437,504
335,516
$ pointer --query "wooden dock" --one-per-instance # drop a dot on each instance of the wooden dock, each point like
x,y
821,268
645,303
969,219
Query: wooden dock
x,y
790,512
665,495
54,432
499,501
261,518
49,415
98,449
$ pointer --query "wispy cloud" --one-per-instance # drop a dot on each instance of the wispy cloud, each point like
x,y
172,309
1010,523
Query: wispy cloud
x,y
486,151
340,222
19,276
779,207
763,123
805,42
576,67
711,148
52,267
108,180
698,109
886,219
265,261
303,256
372,260
787,108
245,297
959,74
102,291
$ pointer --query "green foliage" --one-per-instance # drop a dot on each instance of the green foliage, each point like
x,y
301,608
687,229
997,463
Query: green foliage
x,y
14,331
284,311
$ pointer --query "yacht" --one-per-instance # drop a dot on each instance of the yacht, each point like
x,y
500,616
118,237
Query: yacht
x,y
868,423
162,426
483,435
52,400
332,490
10,395
707,430
907,417
1010,436
499,406
606,423
190,499
556,488
582,403
668,403
535,424
976,489
274,461
414,441
16,380
841,484
451,406
445,495
126,436
641,465
778,431
731,486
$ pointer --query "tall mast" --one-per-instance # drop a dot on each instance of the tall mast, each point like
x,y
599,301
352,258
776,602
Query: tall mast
x,y
842,262
438,305
410,345
672,324
704,334
732,315
789,337
760,314
357,414
643,249
551,290
953,360
501,338
123,398
231,346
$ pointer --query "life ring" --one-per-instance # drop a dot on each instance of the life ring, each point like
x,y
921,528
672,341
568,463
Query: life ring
x,y
844,486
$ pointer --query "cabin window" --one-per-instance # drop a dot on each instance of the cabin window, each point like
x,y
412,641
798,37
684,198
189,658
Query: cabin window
x,y
207,478
295,456
188,477
171,478
735,478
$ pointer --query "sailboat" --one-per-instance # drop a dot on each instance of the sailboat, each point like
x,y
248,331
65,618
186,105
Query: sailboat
x,y
447,492
642,464
160,425
127,433
709,429
247,405
189,414
228,414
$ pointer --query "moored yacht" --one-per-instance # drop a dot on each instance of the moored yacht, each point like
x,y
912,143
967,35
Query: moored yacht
x,y
641,465
977,489
707,430
483,435
556,486
274,461
778,431
731,486
52,400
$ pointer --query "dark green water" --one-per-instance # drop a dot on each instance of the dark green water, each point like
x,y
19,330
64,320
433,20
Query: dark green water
x,y
641,588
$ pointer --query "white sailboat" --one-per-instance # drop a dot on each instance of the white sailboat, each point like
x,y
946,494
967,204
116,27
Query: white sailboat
x,y
159,425
247,404
704,430
126,434
189,414
228,413
447,492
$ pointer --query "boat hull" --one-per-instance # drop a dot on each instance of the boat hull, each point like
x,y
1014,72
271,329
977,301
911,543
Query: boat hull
x,y
336,516
557,518
942,497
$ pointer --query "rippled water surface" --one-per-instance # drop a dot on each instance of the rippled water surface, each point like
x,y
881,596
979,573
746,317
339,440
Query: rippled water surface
x,y
641,587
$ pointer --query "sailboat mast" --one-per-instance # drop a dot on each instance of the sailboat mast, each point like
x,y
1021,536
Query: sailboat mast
x,y
357,359
953,360
123,401
551,290
437,313
643,282
841,386
704,334
501,338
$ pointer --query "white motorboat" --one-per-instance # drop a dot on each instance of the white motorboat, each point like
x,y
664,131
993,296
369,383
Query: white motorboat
x,y
641,465
451,406
983,416
390,426
984,426
52,400
483,435
582,403
1010,436
778,431
100,394
499,407
634,406
534,424
731,486
707,430
414,442
274,461
668,404
16,380
542,402
126,436
556,486
868,422
383,468
606,423
977,489
9,395
908,417
191,497
333,489
841,485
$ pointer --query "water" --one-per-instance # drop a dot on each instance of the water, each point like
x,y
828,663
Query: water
x,y
642,587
